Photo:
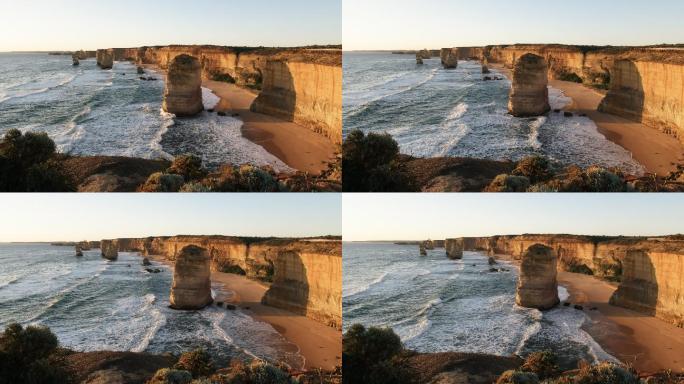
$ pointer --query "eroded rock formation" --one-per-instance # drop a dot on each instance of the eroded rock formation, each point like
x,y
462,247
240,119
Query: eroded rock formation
x,y
529,89
422,250
423,55
313,76
183,88
652,283
191,287
105,58
537,285
260,259
109,249
454,248
74,59
449,57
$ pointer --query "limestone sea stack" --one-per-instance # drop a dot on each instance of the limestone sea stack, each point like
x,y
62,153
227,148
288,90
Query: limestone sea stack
x,y
105,58
191,287
529,94
423,251
449,58
79,252
454,248
74,59
485,66
183,91
422,55
109,249
537,284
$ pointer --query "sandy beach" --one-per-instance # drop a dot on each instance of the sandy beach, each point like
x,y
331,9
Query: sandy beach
x,y
320,345
656,151
297,146
645,342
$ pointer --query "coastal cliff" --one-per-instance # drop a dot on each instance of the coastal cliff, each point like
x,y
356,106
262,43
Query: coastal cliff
x,y
645,84
649,270
306,275
302,85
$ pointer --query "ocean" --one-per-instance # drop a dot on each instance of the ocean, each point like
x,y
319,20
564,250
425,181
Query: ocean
x,y
434,112
437,305
89,111
92,304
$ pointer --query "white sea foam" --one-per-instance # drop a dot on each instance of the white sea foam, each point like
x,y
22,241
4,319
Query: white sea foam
x,y
209,98
535,126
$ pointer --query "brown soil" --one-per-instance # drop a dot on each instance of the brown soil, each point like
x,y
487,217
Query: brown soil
x,y
461,368
136,368
130,171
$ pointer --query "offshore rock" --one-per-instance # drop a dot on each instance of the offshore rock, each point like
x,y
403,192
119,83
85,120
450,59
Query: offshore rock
x,y
183,91
537,285
105,58
529,94
422,250
449,57
454,248
109,249
191,287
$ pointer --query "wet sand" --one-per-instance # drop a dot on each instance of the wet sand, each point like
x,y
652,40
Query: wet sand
x,y
320,345
656,151
297,146
647,343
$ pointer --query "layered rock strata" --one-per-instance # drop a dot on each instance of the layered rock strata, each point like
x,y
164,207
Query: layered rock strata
x,y
537,284
529,94
449,58
105,58
109,249
191,287
303,85
454,248
320,259
183,88
649,269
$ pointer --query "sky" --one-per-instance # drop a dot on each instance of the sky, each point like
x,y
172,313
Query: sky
x,y
74,217
44,25
416,24
448,215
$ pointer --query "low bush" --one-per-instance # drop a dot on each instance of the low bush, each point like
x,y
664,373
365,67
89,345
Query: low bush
x,y
508,183
197,362
171,376
543,364
188,166
518,377
535,168
162,182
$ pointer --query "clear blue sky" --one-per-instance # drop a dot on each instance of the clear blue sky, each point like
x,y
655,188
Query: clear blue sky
x,y
413,24
40,25
446,215
48,217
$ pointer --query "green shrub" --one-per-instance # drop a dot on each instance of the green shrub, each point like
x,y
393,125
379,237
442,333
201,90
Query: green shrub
x,y
194,187
508,183
571,76
28,355
171,376
368,164
27,149
253,179
162,182
518,377
369,355
599,179
605,373
197,362
542,363
535,168
188,166
47,177
264,373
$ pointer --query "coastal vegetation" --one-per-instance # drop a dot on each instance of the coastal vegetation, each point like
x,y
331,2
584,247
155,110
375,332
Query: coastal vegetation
x,y
377,356
32,355
372,163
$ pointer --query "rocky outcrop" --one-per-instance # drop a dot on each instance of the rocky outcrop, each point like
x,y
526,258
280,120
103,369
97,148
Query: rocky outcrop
x,y
649,92
105,58
449,57
191,287
261,259
303,85
421,249
485,66
308,94
78,250
537,284
109,249
183,88
422,55
529,94
649,269
429,244
75,61
454,248
308,283
652,283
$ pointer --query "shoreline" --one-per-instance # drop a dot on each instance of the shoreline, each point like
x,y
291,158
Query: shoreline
x,y
645,342
318,344
298,147
656,151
